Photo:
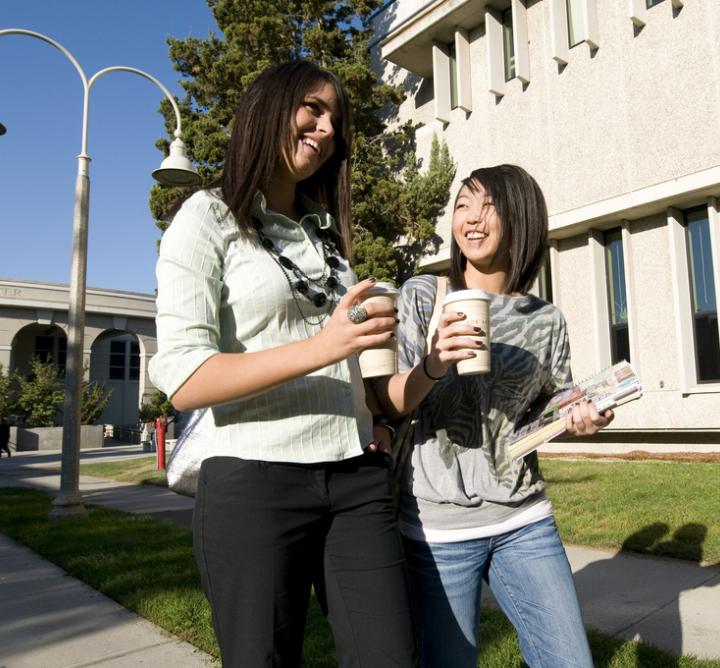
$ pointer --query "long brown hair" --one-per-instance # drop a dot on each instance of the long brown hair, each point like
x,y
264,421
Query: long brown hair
x,y
520,205
263,133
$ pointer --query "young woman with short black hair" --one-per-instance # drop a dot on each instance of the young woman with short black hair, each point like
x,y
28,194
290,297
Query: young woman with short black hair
x,y
468,512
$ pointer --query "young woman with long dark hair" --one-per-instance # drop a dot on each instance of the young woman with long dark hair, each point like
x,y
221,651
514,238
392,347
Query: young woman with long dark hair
x,y
259,318
467,512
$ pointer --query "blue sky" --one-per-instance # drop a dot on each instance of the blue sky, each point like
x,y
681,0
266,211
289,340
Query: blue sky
x,y
41,106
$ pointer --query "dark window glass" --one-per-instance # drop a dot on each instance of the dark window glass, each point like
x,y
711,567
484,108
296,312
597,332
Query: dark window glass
x,y
51,348
453,76
617,296
134,362
545,280
508,44
652,3
117,360
44,348
61,352
702,287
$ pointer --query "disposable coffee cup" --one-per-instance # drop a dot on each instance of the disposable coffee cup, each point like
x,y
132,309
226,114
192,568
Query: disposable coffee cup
x,y
380,360
475,304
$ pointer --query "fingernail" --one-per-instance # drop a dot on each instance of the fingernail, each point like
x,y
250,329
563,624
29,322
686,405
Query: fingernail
x,y
396,311
372,279
397,319
461,314
392,335
470,353
479,330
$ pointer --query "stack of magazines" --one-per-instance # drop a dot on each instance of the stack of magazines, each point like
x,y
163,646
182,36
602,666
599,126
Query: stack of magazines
x,y
609,388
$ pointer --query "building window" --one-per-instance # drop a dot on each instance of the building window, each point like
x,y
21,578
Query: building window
x,y
575,11
51,348
124,360
134,361
617,296
117,360
452,57
545,280
652,3
508,44
703,298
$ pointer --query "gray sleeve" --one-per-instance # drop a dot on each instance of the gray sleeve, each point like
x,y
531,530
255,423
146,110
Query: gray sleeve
x,y
415,309
560,372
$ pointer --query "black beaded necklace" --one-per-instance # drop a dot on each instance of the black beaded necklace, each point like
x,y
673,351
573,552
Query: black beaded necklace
x,y
320,291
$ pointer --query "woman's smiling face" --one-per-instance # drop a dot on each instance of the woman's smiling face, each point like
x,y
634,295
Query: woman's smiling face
x,y
313,139
477,229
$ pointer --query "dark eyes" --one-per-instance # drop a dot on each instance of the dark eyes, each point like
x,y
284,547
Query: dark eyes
x,y
465,205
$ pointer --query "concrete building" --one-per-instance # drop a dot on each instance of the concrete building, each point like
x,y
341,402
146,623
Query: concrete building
x,y
119,338
613,106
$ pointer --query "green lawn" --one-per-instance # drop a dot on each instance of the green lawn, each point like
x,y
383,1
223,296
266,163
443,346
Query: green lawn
x,y
147,566
664,508
138,469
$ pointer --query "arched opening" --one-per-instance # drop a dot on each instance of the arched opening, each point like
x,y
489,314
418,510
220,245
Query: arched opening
x,y
115,362
46,342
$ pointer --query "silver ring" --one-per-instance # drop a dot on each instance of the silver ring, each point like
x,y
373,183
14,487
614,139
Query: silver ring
x,y
357,314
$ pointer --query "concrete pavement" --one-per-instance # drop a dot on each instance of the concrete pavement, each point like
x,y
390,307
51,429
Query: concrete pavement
x,y
669,603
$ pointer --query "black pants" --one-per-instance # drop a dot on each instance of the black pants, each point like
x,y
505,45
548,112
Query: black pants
x,y
265,533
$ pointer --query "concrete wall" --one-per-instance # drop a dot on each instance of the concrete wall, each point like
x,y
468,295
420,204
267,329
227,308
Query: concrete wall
x,y
50,438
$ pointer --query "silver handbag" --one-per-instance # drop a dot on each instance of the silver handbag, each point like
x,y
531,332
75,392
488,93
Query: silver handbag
x,y
183,465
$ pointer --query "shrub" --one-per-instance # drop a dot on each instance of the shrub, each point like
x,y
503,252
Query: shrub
x,y
40,395
94,401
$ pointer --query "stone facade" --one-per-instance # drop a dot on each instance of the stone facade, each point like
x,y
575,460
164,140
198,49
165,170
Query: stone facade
x,y
620,130
119,337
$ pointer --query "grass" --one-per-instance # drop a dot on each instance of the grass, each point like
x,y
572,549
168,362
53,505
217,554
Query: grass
x,y
669,509
666,509
147,565
141,470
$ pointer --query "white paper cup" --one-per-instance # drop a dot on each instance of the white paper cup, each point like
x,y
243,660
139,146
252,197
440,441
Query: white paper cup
x,y
380,360
475,304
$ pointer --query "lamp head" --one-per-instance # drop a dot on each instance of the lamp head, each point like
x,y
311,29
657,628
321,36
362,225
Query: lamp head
x,y
176,169
2,129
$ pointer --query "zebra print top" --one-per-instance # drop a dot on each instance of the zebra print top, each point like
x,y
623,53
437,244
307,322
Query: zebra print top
x,y
460,475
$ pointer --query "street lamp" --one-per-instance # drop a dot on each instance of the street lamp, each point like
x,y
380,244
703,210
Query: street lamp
x,y
175,170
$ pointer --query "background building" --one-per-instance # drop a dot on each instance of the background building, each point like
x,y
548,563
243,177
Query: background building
x,y
119,338
613,107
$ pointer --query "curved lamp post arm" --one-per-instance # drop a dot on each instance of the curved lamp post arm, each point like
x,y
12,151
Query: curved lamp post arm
x,y
71,58
87,84
57,45
134,70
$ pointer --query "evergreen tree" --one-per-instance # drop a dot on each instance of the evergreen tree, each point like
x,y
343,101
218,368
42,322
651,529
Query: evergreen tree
x,y
395,204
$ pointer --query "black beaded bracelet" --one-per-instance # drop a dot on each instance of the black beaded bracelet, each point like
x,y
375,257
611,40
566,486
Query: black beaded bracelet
x,y
425,371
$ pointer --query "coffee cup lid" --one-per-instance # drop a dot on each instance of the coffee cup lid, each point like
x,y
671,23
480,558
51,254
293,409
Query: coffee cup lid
x,y
459,295
382,288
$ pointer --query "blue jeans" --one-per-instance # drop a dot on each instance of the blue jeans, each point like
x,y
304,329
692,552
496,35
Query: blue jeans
x,y
530,577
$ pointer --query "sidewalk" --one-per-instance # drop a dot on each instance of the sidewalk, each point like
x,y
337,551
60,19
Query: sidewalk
x,y
669,603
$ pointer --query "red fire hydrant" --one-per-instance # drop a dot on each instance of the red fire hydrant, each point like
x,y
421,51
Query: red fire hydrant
x,y
160,429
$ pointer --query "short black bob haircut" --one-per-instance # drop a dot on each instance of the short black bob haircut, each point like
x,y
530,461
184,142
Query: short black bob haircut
x,y
520,205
